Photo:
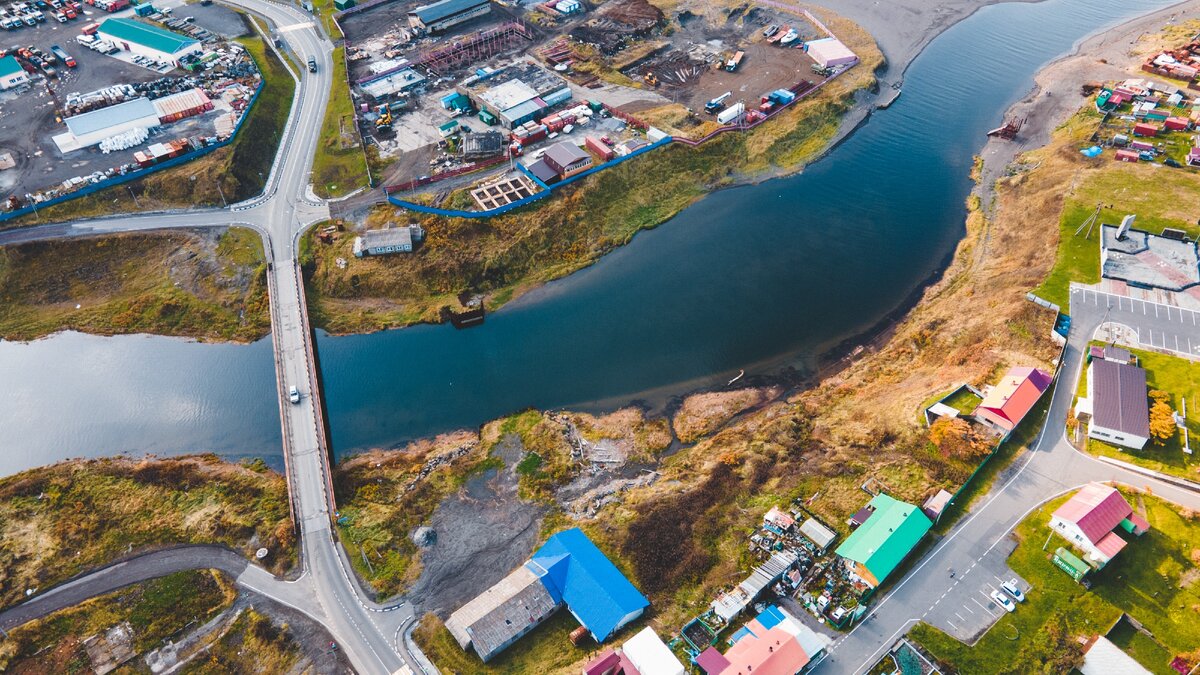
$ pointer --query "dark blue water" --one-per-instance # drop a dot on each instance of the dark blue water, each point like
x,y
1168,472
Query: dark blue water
x,y
758,277
755,277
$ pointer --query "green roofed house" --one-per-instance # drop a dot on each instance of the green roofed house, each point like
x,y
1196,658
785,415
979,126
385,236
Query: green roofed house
x,y
149,41
890,531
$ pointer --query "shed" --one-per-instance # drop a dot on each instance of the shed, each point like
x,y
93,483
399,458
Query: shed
x,y
712,661
1143,129
1126,156
11,73
817,533
830,52
935,505
144,39
1007,403
878,546
1070,563
388,240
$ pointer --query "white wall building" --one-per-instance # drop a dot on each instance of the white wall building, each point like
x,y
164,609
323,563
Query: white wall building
x,y
11,73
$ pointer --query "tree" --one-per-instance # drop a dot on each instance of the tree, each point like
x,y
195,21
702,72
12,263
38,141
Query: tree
x,y
956,438
1162,417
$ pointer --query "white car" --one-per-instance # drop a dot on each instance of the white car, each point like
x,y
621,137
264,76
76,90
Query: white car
x,y
294,397
1012,589
1002,600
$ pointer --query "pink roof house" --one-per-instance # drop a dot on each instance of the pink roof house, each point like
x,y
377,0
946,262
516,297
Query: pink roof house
x,y
1010,400
1088,520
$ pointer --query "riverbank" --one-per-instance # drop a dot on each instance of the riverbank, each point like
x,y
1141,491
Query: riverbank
x,y
67,518
206,284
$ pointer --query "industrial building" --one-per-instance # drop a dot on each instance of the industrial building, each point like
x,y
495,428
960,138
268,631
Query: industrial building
x,y
149,41
403,80
830,53
388,240
567,159
88,129
441,15
890,531
567,570
519,93
11,73
1088,521
1116,409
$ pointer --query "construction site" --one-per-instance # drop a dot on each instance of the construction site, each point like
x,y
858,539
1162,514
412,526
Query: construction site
x,y
498,100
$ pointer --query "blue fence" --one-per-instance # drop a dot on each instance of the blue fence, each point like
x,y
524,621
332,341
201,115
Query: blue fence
x,y
141,173
457,213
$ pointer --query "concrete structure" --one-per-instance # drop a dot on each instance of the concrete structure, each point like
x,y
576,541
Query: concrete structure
x,y
567,159
1147,260
1116,408
889,534
518,93
11,73
1102,657
1088,519
1007,403
773,643
90,128
441,15
149,41
650,655
388,240
830,53
502,614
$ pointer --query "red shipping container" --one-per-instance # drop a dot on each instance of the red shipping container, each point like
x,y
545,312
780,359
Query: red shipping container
x,y
1127,156
1145,130
1176,123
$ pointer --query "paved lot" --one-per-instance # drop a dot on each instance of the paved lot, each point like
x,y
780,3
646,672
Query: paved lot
x,y
1152,324
966,610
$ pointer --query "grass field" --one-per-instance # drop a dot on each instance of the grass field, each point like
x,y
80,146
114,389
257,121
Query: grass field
x,y
206,285
339,166
156,610
1153,580
60,520
1180,378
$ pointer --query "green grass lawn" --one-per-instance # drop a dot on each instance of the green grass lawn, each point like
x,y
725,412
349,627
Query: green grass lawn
x,y
964,401
1180,378
340,166
1159,197
1154,580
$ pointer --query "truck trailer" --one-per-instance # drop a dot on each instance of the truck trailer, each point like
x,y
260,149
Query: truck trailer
x,y
732,113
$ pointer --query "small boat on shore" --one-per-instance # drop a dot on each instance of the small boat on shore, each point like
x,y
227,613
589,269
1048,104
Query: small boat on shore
x,y
740,374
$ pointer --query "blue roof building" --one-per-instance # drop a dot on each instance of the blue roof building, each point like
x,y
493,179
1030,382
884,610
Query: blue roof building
x,y
579,575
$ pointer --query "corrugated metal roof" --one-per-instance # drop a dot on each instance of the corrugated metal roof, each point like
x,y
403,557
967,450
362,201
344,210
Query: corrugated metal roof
x,y
650,655
9,66
146,35
1013,397
1110,545
446,8
1096,509
565,154
502,612
817,533
768,573
113,115
573,569
1119,398
893,530
181,102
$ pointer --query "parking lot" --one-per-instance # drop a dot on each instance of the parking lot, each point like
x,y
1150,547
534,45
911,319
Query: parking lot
x,y
967,610
27,114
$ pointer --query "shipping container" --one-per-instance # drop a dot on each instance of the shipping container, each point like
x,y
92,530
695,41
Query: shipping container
x,y
782,96
487,118
1127,156
731,113
91,29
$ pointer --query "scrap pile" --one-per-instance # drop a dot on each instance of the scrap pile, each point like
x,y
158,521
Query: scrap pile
x,y
1182,64
619,24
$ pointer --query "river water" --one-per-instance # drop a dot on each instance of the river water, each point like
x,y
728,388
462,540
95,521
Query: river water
x,y
757,277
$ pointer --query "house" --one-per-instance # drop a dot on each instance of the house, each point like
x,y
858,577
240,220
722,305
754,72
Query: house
x,y
388,240
1088,519
610,662
518,93
567,570
91,127
11,73
567,159
1102,657
778,521
578,575
441,15
773,643
543,171
502,614
1007,403
830,53
1116,407
877,547
149,41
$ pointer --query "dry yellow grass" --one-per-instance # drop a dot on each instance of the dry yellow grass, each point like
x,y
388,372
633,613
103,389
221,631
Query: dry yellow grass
x,y
701,414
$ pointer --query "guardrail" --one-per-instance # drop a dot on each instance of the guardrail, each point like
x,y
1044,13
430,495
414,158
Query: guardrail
x,y
310,357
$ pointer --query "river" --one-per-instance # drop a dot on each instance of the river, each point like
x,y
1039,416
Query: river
x,y
757,277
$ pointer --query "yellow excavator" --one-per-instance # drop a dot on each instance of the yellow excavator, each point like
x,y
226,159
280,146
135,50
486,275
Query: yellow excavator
x,y
650,78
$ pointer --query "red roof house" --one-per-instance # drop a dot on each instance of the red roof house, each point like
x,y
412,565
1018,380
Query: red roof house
x,y
1088,520
1010,400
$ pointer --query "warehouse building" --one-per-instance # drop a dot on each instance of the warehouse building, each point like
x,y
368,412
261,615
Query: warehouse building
x,y
890,531
830,53
567,159
502,614
11,73
520,93
88,129
149,41
441,15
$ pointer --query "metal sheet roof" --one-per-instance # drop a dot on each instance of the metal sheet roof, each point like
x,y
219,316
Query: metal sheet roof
x,y
9,66
113,115
1096,509
1119,398
146,35
440,10
493,618
1105,658
893,530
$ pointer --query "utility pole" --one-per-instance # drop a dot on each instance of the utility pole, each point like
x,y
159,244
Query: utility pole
x,y
135,199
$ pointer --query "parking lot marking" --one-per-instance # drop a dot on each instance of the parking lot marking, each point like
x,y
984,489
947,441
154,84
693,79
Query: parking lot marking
x,y
968,609
951,624
960,617
981,605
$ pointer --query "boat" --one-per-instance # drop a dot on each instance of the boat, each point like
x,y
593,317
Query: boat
x,y
739,376
789,37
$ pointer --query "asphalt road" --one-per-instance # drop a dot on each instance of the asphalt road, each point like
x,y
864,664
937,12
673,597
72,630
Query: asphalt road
x,y
1051,468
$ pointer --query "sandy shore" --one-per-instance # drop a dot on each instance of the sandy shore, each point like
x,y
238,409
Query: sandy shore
x,y
1056,92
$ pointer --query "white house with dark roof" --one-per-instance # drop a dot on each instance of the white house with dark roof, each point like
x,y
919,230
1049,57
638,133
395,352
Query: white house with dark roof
x,y
1116,403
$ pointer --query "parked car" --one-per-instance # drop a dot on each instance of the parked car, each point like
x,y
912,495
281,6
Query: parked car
x,y
1002,600
1013,589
